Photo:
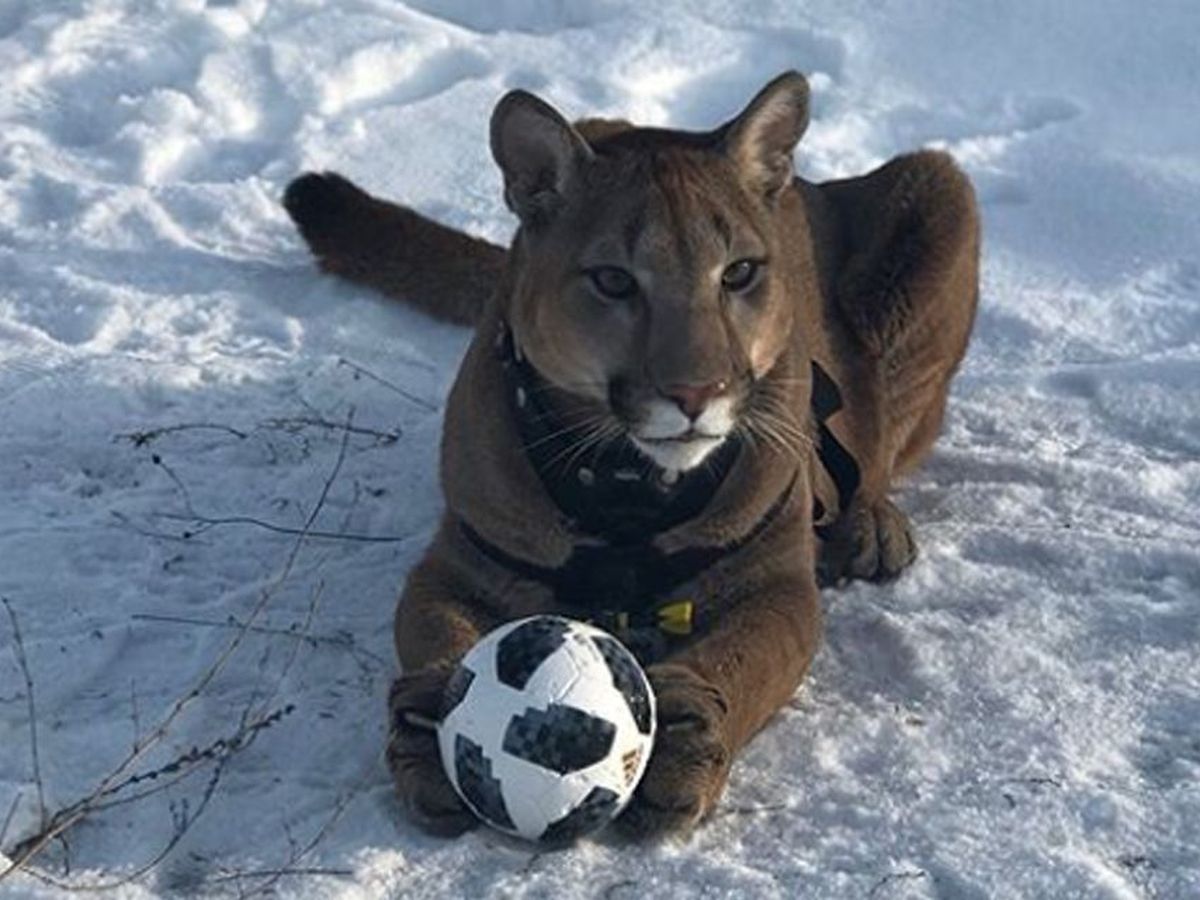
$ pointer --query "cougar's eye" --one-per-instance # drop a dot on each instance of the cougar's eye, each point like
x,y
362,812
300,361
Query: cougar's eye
x,y
741,275
613,282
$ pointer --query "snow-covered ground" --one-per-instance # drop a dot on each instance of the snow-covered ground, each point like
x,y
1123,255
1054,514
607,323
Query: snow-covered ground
x,y
1018,716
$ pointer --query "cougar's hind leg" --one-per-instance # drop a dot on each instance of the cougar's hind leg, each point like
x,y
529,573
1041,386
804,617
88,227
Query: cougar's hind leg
x,y
909,285
908,293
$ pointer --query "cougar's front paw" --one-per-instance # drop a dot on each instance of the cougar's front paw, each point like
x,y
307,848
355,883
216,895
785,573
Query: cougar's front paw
x,y
321,204
873,542
428,798
689,764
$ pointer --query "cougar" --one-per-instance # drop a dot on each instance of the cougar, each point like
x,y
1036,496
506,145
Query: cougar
x,y
693,380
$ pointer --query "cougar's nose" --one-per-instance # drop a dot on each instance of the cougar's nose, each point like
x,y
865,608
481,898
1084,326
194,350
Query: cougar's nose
x,y
693,398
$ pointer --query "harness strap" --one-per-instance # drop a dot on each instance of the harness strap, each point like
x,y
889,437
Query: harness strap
x,y
834,458
604,580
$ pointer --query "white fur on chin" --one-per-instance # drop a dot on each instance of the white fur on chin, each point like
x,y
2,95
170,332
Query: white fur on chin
x,y
664,421
678,456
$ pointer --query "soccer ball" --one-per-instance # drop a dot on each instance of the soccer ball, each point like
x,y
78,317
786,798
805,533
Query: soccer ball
x,y
546,728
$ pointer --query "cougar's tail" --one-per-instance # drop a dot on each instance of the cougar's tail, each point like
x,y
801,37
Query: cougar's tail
x,y
392,249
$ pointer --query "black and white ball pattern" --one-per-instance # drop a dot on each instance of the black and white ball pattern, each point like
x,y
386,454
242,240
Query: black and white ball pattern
x,y
546,728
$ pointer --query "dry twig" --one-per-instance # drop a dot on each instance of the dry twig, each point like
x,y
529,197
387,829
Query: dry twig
x,y
896,876
142,438
118,778
23,662
298,854
294,424
343,641
279,873
204,523
361,370
12,811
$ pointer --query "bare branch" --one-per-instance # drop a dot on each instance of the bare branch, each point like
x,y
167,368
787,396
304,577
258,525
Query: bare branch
x,y
277,874
12,811
118,778
220,751
1035,781
896,876
337,468
23,662
181,824
126,522
175,479
135,714
341,641
206,522
142,438
360,370
297,855
294,424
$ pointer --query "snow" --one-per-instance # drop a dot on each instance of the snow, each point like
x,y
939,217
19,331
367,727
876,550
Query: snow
x,y
1018,716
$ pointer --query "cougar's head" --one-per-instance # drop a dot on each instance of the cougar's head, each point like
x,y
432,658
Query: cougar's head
x,y
649,281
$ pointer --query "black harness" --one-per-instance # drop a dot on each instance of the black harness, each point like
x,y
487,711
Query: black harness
x,y
616,496
618,585
835,459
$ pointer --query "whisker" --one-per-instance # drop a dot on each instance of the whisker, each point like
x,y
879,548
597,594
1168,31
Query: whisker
x,y
601,430
790,430
780,380
582,434
779,432
570,451
746,433
788,427
594,443
566,429
608,432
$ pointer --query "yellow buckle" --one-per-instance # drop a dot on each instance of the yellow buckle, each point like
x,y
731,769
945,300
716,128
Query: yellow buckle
x,y
676,618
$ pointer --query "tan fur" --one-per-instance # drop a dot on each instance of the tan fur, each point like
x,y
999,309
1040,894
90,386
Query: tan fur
x,y
873,277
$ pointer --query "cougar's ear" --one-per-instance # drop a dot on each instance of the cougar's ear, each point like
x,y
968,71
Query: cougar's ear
x,y
761,139
540,154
